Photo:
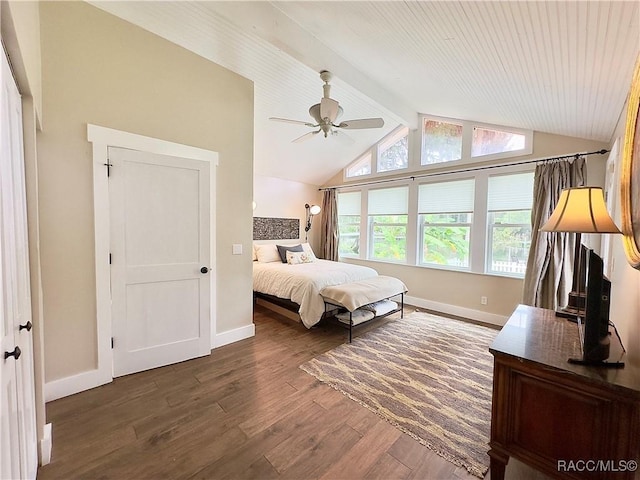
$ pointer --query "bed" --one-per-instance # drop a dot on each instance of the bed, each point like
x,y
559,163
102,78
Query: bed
x,y
302,282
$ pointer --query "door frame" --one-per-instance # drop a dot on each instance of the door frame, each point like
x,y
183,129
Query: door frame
x,y
102,138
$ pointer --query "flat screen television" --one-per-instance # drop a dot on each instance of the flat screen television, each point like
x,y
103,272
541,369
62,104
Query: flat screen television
x,y
593,324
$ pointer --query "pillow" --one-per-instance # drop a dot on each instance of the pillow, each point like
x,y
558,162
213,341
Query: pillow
x,y
283,249
307,248
294,258
267,253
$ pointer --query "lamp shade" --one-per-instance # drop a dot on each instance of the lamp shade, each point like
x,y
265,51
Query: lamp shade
x,y
314,210
581,210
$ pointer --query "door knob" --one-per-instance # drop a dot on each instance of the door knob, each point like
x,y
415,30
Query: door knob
x,y
204,270
16,353
27,326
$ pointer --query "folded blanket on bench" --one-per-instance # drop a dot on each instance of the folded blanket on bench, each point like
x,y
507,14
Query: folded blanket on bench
x,y
359,316
380,308
356,294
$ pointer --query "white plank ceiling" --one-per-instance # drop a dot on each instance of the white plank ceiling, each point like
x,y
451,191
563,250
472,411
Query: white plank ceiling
x,y
558,67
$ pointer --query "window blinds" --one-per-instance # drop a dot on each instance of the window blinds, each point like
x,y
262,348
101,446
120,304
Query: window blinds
x,y
510,192
389,201
349,203
446,197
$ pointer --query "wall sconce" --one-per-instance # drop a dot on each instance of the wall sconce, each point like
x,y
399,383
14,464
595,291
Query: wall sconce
x,y
312,210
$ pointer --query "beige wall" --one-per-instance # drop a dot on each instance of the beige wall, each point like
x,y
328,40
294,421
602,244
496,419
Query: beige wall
x,y
101,70
460,292
276,197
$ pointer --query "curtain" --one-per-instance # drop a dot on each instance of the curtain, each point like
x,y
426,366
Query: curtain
x,y
549,273
329,225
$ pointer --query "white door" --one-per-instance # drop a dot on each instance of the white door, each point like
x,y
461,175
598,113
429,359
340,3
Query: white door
x,y
9,411
160,259
18,438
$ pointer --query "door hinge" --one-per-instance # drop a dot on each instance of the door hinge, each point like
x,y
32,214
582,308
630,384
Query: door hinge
x,y
111,342
109,259
108,165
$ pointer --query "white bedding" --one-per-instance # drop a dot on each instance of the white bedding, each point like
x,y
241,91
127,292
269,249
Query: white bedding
x,y
302,283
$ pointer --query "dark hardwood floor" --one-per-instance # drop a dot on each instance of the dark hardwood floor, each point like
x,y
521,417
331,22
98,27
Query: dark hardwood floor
x,y
244,412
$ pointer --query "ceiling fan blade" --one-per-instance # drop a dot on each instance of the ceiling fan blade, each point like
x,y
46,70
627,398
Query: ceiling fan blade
x,y
329,109
362,123
305,137
296,122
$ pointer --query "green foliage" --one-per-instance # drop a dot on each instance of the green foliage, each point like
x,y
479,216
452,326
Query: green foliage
x,y
511,236
444,245
390,237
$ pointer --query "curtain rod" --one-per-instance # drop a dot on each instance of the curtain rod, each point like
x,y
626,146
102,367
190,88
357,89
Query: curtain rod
x,y
448,172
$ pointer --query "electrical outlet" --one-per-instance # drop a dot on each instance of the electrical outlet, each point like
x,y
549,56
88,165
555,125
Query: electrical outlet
x,y
483,300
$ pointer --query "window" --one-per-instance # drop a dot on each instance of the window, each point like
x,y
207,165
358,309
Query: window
x,y
509,223
488,141
393,151
388,212
362,166
445,212
441,142
349,224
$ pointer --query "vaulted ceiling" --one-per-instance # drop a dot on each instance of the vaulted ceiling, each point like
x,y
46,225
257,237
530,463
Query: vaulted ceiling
x,y
558,67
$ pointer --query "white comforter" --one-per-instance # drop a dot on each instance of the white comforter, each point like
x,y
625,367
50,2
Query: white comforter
x,y
302,283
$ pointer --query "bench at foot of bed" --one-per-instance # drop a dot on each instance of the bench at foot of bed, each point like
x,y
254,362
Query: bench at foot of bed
x,y
365,300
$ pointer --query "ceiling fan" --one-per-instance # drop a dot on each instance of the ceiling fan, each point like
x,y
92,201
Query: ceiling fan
x,y
326,113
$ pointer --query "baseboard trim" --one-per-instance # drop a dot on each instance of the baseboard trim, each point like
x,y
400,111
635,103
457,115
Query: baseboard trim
x,y
477,315
74,384
45,445
235,335
94,378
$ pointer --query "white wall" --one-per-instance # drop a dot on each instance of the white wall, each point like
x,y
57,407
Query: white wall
x,y
279,198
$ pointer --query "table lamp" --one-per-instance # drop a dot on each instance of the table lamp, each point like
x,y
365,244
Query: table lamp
x,y
579,210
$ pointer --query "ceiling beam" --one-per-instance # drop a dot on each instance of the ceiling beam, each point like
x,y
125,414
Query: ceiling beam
x,y
269,23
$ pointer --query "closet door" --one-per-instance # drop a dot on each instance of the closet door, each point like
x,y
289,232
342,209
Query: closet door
x,y
18,440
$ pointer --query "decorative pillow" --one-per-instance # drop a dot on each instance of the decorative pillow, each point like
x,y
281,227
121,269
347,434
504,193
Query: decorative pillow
x,y
267,253
283,249
307,248
294,258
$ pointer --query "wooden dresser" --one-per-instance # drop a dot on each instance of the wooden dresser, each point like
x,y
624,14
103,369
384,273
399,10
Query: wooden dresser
x,y
565,420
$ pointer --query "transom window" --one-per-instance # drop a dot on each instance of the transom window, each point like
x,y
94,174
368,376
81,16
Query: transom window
x,y
441,141
393,152
362,166
487,141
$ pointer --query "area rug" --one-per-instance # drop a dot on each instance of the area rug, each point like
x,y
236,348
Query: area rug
x,y
429,376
